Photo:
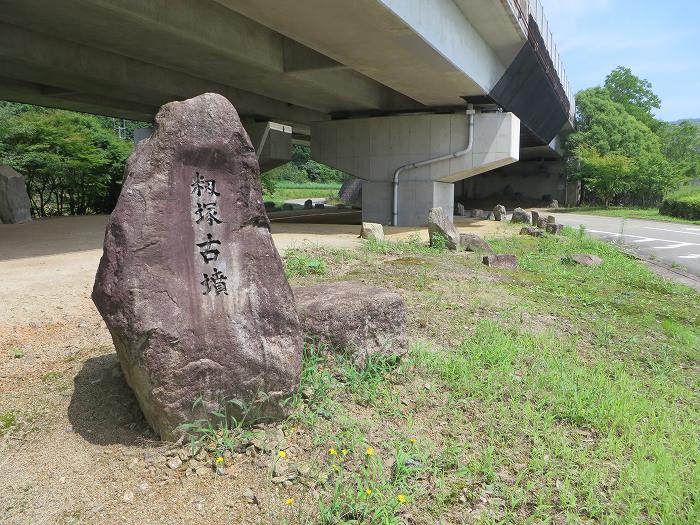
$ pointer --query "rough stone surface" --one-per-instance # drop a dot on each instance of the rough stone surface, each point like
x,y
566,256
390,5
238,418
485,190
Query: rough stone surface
x,y
522,216
180,336
478,214
554,204
551,219
308,204
440,223
541,222
585,259
501,260
319,205
531,230
499,212
459,209
535,217
351,192
372,229
14,200
356,317
471,242
554,229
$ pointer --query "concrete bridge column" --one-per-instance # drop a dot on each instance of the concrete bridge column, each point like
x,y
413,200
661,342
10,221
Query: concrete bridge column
x,y
373,148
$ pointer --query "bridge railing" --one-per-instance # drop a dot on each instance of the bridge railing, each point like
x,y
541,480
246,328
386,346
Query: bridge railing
x,y
527,10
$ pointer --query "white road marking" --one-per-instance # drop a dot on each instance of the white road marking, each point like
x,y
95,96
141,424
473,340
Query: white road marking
x,y
674,244
691,256
677,245
672,231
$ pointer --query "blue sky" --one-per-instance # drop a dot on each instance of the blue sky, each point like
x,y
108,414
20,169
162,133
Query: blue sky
x,y
658,40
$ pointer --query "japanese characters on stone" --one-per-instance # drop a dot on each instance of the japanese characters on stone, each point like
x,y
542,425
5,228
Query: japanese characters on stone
x,y
207,213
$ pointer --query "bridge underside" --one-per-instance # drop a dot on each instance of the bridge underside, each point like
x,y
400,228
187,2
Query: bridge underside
x,y
294,63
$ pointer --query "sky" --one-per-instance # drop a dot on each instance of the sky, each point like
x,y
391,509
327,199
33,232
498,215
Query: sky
x,y
657,40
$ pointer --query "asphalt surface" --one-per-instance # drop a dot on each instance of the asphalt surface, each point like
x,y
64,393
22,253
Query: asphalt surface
x,y
672,243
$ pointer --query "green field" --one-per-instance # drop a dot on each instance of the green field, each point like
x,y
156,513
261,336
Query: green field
x,y
552,393
290,190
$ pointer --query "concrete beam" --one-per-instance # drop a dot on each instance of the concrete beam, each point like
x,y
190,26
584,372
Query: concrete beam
x,y
239,52
402,41
25,55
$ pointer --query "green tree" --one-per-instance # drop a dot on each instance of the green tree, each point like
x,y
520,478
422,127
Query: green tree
x,y
634,94
605,176
605,126
681,146
72,163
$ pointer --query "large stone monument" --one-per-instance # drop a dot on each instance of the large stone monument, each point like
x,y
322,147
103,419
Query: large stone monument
x,y
14,201
190,284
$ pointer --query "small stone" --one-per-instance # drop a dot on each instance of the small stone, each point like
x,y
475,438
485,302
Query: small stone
x,y
584,259
128,496
183,454
372,229
174,463
69,428
554,229
535,217
531,230
202,471
440,224
499,212
501,260
471,242
304,469
319,205
250,496
520,215
553,204
143,487
279,479
308,204
551,219
459,210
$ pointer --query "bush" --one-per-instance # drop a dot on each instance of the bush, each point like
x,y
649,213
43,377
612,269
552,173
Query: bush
x,y
684,203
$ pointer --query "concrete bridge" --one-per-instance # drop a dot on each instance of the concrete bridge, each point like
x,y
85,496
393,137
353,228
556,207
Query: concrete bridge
x,y
416,97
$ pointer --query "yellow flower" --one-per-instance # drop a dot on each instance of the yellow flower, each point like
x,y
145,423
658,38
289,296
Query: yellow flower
x,y
290,501
282,454
368,492
412,440
344,452
370,451
292,430
401,498
332,452
336,467
219,459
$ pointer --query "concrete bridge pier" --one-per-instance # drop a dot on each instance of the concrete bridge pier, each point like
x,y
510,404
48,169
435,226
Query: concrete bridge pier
x,y
373,148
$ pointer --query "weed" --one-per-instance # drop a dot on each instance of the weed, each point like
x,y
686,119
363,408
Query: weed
x,y
298,263
8,420
15,352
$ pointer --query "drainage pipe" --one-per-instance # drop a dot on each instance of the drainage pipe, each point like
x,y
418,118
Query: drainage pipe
x,y
470,143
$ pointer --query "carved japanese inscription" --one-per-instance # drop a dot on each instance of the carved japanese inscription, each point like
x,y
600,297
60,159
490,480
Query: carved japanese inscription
x,y
190,284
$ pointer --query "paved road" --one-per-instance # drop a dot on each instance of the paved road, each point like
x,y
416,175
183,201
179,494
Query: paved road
x,y
670,242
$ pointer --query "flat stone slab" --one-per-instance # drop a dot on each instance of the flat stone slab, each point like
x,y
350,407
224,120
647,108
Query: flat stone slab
x,y
585,259
501,260
358,318
190,284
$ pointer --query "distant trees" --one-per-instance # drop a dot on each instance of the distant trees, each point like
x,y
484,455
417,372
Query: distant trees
x,y
73,163
621,152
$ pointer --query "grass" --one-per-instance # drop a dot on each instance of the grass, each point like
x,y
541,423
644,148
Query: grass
x,y
552,393
285,190
628,213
